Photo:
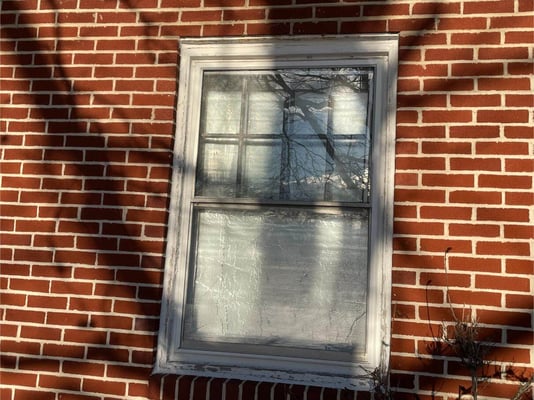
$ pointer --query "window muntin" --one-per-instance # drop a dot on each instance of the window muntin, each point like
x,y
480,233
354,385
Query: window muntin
x,y
180,354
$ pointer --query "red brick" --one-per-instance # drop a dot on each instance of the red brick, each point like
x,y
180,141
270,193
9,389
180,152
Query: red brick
x,y
16,239
21,347
445,212
517,132
475,101
503,214
406,147
408,328
411,24
473,230
518,37
526,100
435,100
90,304
520,337
111,322
475,164
366,26
26,363
96,243
510,115
19,182
512,318
514,266
501,6
101,214
40,332
476,38
403,345
501,148
33,255
18,379
419,195
464,23
62,183
439,245
92,273
503,248
505,181
499,84
417,261
448,180
519,232
517,21
420,163
418,228
83,368
440,54
110,387
519,301
130,372
481,298
13,299
69,287
196,16
437,147
137,307
66,318
507,53
132,340
470,131
85,336
75,257
408,85
102,353
433,116
310,28
411,70
47,302
56,381
337,11
410,131
515,198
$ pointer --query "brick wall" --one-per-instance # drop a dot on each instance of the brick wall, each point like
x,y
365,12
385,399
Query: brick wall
x,y
88,92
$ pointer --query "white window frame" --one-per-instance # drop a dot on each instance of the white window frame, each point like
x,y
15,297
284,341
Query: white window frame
x,y
202,54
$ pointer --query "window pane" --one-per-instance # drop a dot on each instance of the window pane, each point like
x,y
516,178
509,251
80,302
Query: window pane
x,y
349,115
303,113
285,278
261,178
218,169
221,104
265,112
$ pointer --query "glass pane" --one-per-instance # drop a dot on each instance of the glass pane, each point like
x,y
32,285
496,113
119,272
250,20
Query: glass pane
x,y
221,104
265,113
307,170
309,113
349,181
217,170
349,115
262,170
283,278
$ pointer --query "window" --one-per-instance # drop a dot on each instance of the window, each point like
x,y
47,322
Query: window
x,y
279,243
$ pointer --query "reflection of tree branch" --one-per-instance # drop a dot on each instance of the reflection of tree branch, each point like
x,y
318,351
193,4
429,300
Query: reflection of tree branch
x,y
309,116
